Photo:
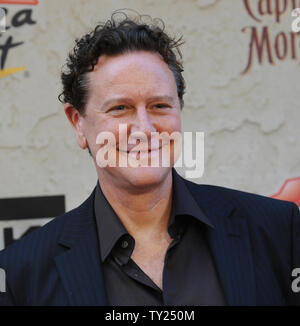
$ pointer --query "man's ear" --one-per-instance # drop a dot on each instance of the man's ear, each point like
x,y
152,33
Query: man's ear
x,y
76,120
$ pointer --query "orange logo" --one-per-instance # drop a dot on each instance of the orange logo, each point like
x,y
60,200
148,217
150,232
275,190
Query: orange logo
x,y
289,191
20,18
20,2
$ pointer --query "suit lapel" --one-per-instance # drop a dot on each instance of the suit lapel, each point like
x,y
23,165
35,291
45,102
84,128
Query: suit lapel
x,y
229,243
79,266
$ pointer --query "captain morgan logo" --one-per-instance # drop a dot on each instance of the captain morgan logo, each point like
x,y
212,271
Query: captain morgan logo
x,y
267,44
10,20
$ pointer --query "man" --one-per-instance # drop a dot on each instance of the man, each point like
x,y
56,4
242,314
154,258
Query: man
x,y
146,236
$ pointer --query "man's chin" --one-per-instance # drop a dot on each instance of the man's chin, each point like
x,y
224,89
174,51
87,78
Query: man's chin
x,y
141,178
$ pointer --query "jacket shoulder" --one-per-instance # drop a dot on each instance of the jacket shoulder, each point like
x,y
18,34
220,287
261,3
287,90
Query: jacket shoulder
x,y
251,204
47,234
40,246
31,260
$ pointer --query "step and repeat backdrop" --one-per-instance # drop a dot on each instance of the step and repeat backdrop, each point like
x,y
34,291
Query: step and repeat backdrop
x,y
241,66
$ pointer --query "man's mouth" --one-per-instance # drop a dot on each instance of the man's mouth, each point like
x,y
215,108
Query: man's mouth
x,y
140,151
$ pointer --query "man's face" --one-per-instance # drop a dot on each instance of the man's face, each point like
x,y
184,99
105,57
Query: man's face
x,y
137,89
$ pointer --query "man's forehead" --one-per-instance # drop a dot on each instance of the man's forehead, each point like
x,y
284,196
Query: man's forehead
x,y
115,64
101,61
132,70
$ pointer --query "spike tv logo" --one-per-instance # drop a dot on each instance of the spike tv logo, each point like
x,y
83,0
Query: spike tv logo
x,y
11,20
20,216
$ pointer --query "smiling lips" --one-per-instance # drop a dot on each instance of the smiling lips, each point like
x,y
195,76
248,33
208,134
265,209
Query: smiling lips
x,y
141,151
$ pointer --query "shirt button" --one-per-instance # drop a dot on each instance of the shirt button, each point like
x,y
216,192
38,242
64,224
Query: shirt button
x,y
124,244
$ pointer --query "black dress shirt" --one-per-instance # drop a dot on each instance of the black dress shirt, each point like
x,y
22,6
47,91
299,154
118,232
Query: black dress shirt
x,y
189,273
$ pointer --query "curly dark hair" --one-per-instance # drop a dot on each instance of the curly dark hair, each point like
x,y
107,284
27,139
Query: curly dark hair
x,y
117,36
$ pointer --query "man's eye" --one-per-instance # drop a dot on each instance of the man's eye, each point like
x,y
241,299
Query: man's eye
x,y
119,108
161,106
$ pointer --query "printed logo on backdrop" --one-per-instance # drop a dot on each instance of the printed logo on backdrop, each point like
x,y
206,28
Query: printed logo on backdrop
x,y
290,191
11,19
266,45
20,216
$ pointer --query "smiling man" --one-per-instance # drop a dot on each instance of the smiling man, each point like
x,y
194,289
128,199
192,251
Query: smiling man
x,y
146,236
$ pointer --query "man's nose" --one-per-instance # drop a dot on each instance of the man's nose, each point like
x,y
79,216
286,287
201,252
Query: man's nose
x,y
143,122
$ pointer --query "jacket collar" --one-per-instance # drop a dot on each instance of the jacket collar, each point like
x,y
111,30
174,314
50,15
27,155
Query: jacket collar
x,y
229,242
79,266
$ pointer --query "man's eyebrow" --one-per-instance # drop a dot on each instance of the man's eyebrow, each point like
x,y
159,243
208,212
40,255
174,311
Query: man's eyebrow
x,y
127,99
162,98
115,100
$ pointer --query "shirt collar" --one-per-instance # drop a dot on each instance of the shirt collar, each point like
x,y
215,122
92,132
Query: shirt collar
x,y
111,229
184,202
109,226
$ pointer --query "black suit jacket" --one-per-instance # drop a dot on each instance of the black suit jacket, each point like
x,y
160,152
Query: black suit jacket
x,y
255,245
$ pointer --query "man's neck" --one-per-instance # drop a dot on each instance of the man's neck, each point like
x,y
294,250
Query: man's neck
x,y
144,215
